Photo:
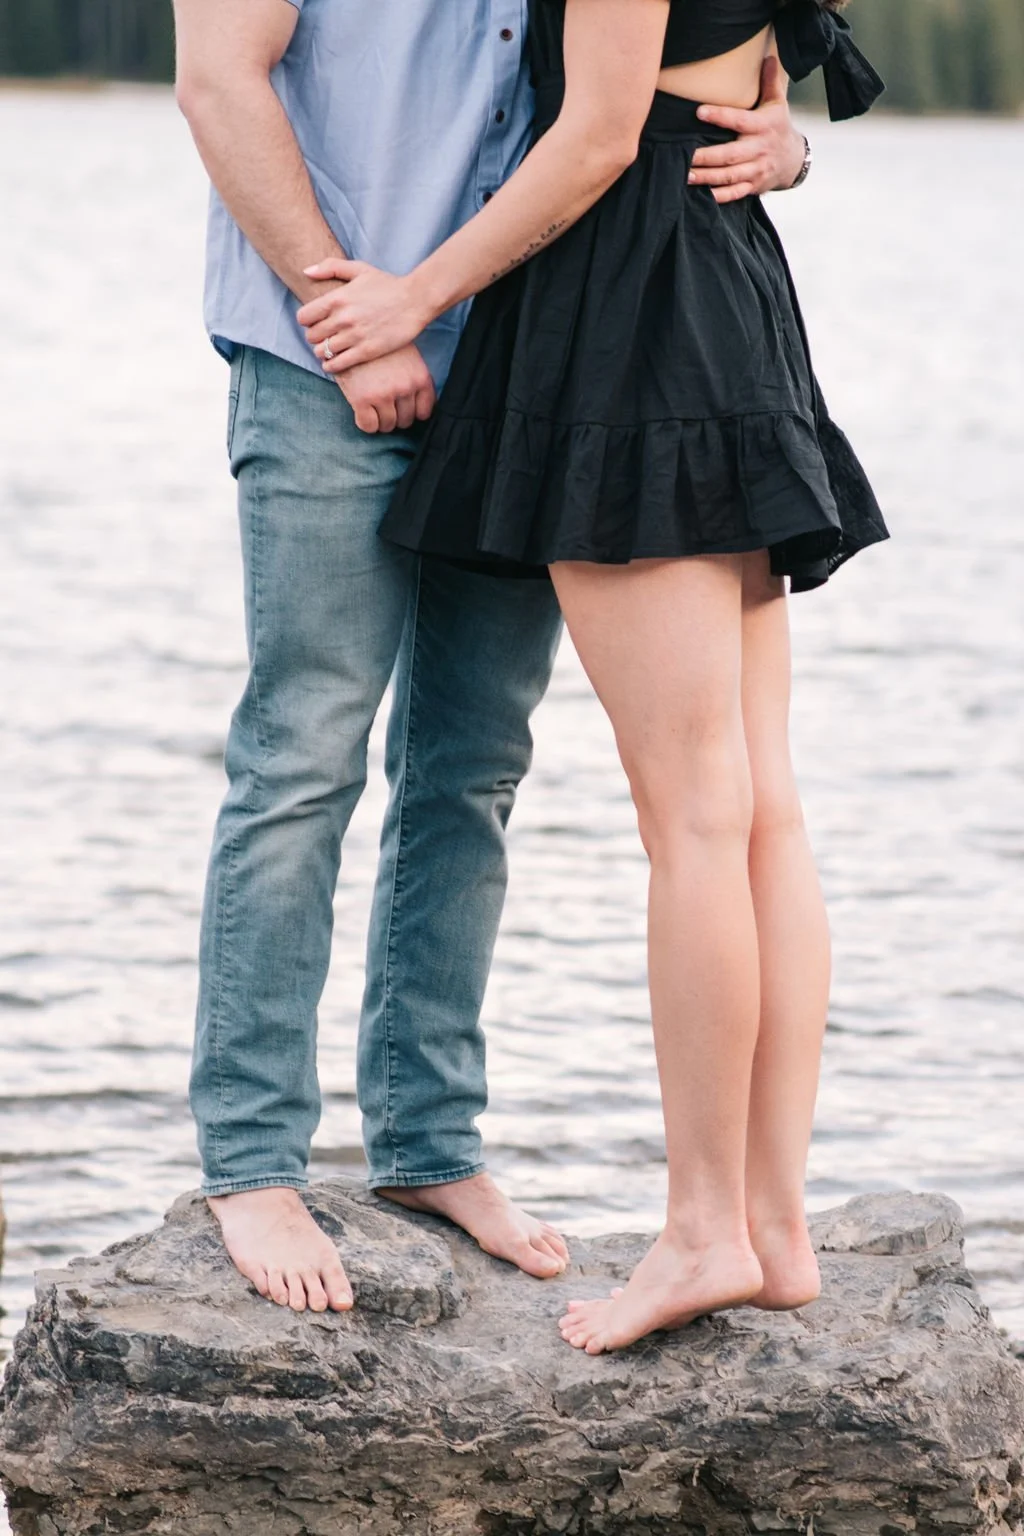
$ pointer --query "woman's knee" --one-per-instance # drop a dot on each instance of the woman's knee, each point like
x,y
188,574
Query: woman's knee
x,y
777,808
709,797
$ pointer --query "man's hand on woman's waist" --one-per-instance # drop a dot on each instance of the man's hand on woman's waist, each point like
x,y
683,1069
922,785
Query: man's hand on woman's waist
x,y
769,153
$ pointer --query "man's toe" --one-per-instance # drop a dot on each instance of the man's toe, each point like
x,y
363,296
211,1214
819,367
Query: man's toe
x,y
339,1291
257,1277
277,1287
296,1292
316,1295
543,1244
556,1240
538,1259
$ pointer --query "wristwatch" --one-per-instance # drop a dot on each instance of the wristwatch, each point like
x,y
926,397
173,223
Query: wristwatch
x,y
805,169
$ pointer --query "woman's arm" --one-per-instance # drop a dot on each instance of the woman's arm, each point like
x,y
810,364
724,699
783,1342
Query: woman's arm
x,y
613,54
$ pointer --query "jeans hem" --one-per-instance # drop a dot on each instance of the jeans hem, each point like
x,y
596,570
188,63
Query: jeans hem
x,y
418,1180
242,1186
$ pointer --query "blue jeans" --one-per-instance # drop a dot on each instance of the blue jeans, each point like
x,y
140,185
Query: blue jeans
x,y
332,615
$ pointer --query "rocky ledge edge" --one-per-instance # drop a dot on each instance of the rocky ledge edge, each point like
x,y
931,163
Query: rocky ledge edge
x,y
152,1391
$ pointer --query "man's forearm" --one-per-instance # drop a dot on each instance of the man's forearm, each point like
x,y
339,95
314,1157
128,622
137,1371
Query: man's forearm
x,y
253,159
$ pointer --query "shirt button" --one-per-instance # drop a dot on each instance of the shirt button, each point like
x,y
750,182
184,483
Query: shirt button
x,y
499,116
507,34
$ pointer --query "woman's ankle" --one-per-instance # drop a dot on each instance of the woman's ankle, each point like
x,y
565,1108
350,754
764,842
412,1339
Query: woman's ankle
x,y
777,1224
702,1232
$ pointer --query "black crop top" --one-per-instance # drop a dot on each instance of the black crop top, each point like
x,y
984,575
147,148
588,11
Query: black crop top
x,y
698,31
809,36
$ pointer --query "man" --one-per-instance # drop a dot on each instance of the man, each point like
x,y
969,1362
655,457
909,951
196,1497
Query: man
x,y
373,129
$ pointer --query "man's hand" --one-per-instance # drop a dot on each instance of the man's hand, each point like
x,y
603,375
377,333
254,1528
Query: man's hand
x,y
390,393
769,154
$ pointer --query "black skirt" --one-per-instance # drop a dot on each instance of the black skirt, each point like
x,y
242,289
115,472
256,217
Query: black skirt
x,y
642,388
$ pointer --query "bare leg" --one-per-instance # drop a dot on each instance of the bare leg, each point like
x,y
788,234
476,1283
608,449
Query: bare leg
x,y
276,1244
502,1229
793,936
661,642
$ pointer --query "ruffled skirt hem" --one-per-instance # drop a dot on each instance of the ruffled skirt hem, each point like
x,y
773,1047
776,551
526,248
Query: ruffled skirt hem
x,y
611,495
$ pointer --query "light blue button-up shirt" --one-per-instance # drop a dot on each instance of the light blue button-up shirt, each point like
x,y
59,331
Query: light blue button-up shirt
x,y
409,113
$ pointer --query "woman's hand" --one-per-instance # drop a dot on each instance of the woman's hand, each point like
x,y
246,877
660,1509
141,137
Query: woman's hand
x,y
372,315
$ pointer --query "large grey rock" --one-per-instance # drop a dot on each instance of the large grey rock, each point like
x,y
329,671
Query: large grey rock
x,y
151,1390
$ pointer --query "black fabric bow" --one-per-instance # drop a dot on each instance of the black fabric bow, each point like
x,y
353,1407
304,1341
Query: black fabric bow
x,y
809,38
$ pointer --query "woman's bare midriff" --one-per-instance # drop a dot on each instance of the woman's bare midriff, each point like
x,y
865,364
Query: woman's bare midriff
x,y
731,80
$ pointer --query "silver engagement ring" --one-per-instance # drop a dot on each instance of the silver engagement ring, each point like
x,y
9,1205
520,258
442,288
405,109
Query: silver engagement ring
x,y
328,354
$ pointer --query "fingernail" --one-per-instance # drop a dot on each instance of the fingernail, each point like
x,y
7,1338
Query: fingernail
x,y
702,113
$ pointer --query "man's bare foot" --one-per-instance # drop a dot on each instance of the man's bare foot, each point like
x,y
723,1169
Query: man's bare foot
x,y
478,1206
670,1288
275,1243
790,1266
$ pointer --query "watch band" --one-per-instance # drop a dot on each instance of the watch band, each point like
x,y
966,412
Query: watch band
x,y
805,169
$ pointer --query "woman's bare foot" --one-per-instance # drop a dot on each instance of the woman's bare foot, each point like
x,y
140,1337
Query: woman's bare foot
x,y
790,1266
671,1287
478,1206
275,1243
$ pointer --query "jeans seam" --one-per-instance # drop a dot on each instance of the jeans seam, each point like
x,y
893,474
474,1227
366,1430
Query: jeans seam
x,y
225,906
215,1187
396,884
262,735
438,1176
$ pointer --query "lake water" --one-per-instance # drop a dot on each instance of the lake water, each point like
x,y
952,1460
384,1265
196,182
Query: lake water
x,y
121,657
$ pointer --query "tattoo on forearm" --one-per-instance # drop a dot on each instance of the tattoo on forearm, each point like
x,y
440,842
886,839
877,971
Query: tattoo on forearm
x,y
532,249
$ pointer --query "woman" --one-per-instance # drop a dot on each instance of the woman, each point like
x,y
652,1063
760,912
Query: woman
x,y
633,410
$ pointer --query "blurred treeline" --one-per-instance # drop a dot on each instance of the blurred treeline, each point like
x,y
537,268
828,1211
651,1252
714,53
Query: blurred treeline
x,y
118,39
943,55
936,55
